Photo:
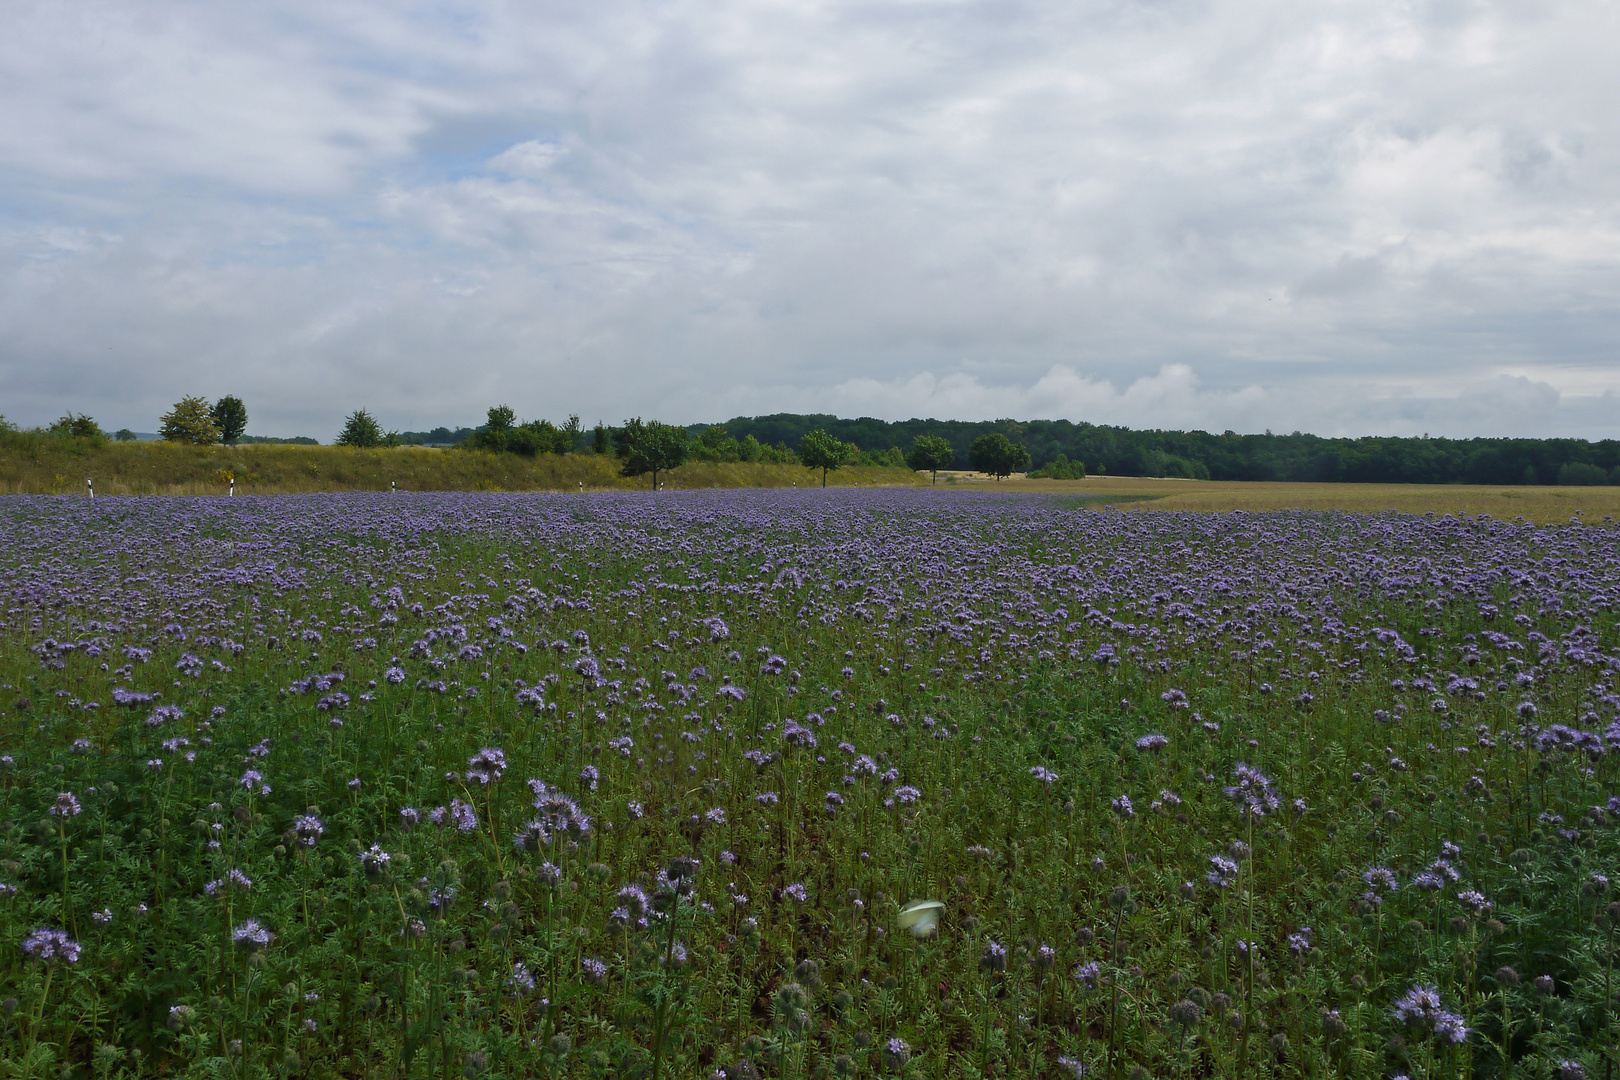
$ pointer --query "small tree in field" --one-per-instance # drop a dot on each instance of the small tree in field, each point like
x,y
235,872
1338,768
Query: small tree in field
x,y
190,421
998,455
819,450
230,416
930,453
362,430
652,447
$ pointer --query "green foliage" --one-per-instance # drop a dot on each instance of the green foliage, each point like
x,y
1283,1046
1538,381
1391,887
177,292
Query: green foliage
x,y
124,435
502,434
439,436
501,418
362,430
75,426
540,437
819,450
998,455
230,417
190,421
930,453
651,447
1060,468
1579,473
892,458
716,444
294,440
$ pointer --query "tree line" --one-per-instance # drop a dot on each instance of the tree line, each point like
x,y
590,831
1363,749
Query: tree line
x,y
1053,448
652,447
1063,447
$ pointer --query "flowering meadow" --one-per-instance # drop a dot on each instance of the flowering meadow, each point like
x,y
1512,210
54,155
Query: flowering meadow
x,y
800,785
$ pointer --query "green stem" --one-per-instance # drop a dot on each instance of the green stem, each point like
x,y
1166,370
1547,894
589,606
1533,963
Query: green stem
x,y
61,831
661,1014
33,1029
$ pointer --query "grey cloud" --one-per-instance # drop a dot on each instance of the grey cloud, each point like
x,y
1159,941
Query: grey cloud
x,y
1344,219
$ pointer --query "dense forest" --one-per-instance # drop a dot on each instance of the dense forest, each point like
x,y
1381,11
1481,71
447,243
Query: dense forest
x,y
1120,451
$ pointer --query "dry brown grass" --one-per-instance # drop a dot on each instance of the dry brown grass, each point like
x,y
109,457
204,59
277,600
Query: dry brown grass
x,y
53,467
1538,504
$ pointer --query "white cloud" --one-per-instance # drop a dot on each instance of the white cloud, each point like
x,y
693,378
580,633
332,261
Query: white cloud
x,y
1338,217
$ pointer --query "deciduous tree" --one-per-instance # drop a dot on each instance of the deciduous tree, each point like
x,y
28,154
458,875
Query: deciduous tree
x,y
931,453
652,447
230,416
819,450
190,421
998,455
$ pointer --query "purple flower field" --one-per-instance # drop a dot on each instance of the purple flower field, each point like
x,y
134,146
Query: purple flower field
x,y
802,784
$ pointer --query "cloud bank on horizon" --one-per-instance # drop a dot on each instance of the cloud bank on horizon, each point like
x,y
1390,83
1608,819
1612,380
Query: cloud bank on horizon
x,y
1348,218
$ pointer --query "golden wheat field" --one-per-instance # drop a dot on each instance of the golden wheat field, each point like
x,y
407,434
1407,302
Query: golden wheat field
x,y
1538,504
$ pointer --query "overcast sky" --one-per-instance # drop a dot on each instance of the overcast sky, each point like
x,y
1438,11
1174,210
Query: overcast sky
x,y
1347,218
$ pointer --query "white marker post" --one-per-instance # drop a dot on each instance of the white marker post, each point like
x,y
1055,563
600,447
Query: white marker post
x,y
391,486
582,487
232,493
90,488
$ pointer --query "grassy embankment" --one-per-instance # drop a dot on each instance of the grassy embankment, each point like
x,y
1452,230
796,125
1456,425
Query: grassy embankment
x,y
1538,504
36,465
61,466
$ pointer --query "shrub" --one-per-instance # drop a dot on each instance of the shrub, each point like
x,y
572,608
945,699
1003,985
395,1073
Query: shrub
x,y
73,426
